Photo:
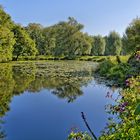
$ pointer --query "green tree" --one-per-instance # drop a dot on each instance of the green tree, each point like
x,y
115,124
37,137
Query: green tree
x,y
131,39
113,44
49,46
24,45
36,33
5,19
6,44
6,37
125,44
98,47
69,40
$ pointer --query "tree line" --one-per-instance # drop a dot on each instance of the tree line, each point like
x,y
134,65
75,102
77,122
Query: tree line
x,y
64,39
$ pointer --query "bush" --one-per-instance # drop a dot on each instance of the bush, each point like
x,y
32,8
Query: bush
x,y
104,67
117,71
128,111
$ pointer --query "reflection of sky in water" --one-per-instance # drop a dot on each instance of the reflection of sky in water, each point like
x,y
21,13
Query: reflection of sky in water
x,y
43,116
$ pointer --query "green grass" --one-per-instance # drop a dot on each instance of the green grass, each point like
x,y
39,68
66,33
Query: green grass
x,y
113,59
123,59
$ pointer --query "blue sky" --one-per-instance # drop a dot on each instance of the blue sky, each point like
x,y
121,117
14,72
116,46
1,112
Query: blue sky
x,y
98,16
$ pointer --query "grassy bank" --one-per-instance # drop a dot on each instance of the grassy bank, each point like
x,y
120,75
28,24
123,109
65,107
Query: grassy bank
x,y
80,58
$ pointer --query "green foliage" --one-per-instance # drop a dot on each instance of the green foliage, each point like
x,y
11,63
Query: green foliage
x,y
128,112
24,45
79,136
137,111
6,44
6,37
5,19
92,58
131,39
66,39
134,62
128,108
113,44
124,59
104,67
98,46
62,40
118,72
36,33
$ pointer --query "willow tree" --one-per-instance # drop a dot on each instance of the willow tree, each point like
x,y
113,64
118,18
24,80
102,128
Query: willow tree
x,y
69,40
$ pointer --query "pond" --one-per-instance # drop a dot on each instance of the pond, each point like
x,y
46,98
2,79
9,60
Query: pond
x,y
44,100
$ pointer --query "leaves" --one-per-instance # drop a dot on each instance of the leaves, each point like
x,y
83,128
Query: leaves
x,y
24,45
137,111
113,44
6,37
131,38
98,45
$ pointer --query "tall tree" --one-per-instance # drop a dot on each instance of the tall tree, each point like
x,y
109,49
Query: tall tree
x,y
24,45
98,47
5,19
36,33
69,40
113,44
79,44
6,37
6,44
131,39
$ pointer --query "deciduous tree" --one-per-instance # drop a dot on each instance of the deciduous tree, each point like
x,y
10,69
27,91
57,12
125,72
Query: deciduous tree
x,y
24,45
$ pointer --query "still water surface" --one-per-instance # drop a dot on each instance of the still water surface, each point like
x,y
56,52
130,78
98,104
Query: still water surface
x,y
44,100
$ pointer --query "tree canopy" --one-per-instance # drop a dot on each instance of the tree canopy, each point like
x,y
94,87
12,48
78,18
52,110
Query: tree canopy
x,y
64,39
113,44
98,45
6,36
24,45
131,38
35,31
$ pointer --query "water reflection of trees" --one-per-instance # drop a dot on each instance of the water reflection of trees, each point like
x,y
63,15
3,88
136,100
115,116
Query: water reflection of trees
x,y
65,81
68,91
62,79
6,88
23,75
2,132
